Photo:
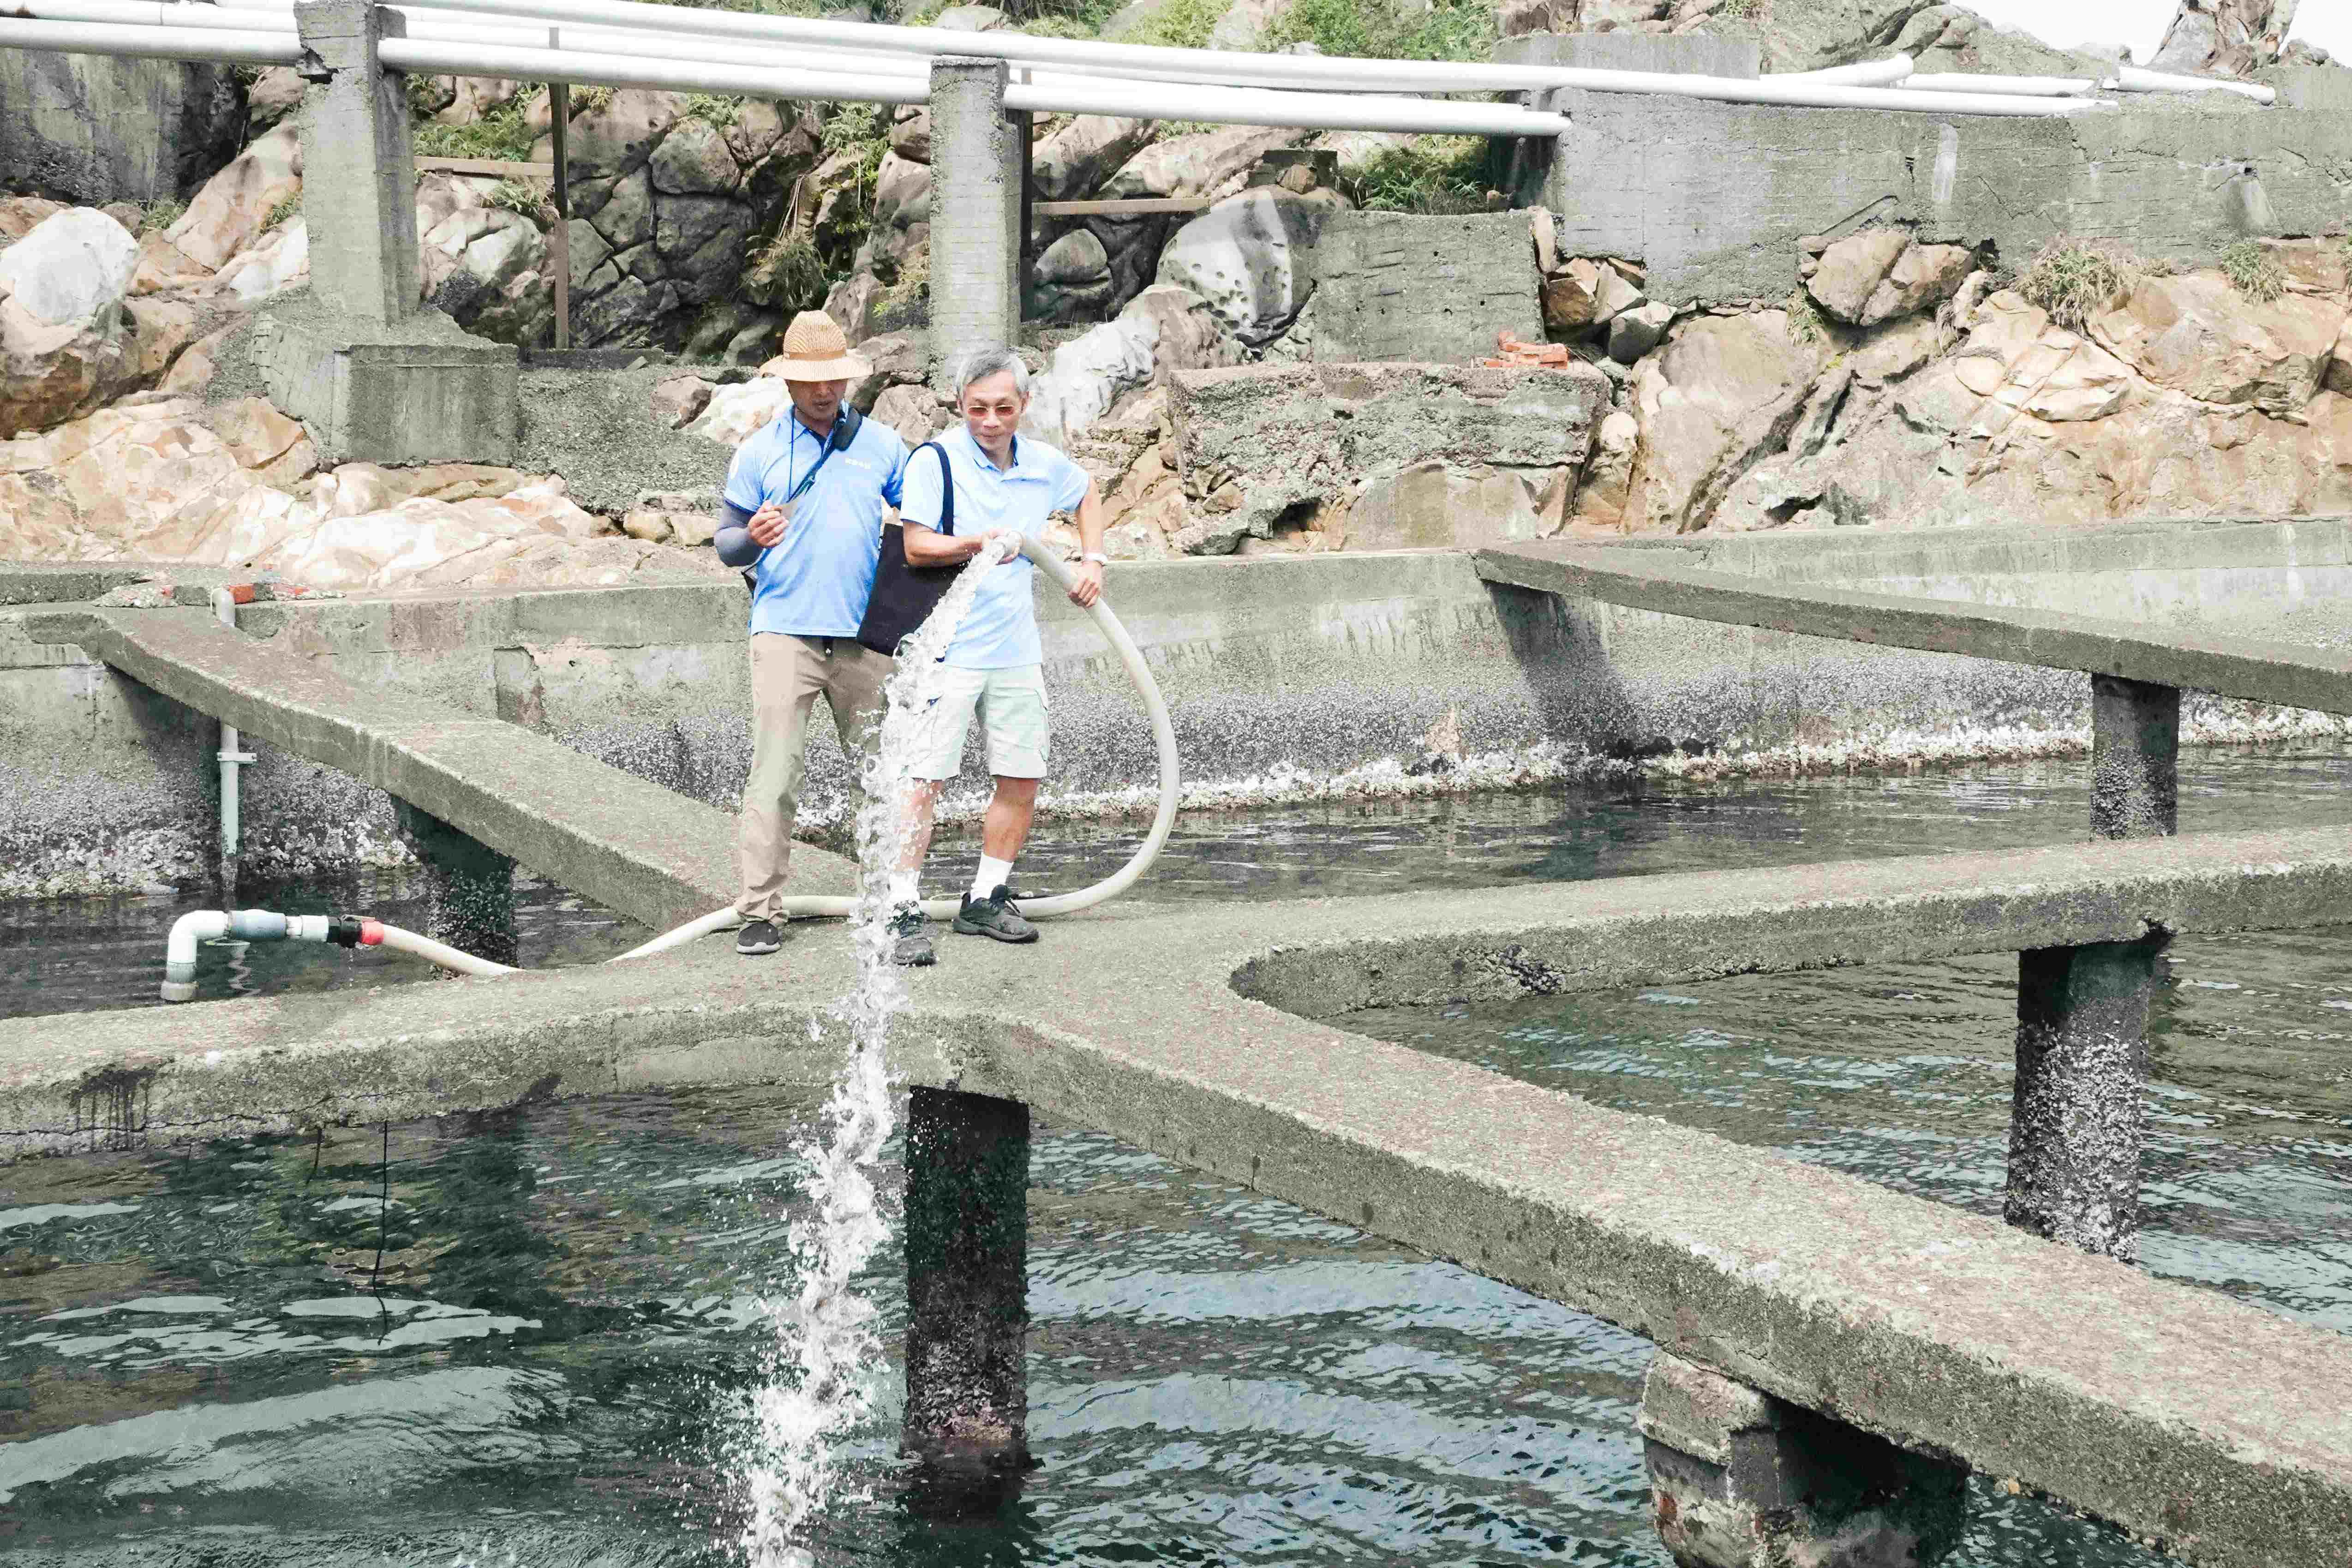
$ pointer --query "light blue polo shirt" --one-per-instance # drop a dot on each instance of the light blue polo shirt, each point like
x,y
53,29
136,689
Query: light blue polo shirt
x,y
814,582
1001,632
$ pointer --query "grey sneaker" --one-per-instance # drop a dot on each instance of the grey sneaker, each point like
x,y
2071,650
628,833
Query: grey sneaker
x,y
993,916
911,944
759,939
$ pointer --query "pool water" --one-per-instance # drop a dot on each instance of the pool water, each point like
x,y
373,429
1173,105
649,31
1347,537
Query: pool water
x,y
523,1337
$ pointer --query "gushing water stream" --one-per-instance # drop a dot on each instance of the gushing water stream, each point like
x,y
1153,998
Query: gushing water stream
x,y
823,1359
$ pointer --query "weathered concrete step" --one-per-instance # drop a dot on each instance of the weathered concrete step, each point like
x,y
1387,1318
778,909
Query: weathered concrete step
x,y
628,843
2286,674
2176,1412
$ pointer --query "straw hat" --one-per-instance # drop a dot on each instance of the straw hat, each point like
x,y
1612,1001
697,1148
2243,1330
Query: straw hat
x,y
817,350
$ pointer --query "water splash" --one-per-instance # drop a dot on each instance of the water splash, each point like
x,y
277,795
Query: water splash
x,y
823,1359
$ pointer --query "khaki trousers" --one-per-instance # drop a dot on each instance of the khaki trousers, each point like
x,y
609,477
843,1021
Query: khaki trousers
x,y
787,674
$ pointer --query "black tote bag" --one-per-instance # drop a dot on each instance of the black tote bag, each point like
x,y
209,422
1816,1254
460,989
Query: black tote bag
x,y
903,597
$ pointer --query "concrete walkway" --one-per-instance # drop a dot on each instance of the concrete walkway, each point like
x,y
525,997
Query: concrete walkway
x,y
2287,674
623,841
2176,1412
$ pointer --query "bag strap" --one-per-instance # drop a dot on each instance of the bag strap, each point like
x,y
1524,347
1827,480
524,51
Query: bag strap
x,y
947,489
838,440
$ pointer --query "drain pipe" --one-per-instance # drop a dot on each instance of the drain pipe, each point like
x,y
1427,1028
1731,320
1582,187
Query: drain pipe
x,y
231,757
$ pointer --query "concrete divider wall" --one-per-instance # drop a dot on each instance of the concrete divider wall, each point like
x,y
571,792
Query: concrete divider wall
x,y
1288,677
1714,196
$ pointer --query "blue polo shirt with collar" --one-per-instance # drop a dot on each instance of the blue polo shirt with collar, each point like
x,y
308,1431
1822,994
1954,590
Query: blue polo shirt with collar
x,y
1001,632
815,580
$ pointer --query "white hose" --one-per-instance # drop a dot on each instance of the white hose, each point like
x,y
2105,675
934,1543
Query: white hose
x,y
261,925
401,939
2022,85
2132,78
1163,737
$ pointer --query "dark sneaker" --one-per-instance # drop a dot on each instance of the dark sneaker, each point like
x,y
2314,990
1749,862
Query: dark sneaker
x,y
759,939
910,940
993,916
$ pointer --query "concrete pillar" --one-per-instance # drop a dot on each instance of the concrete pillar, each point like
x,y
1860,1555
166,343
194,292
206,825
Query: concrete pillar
x,y
2134,758
967,1295
1741,1479
976,163
2079,1117
469,884
359,166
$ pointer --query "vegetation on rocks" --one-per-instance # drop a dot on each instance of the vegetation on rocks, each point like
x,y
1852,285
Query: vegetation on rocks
x,y
289,208
788,273
1386,29
525,197
1182,24
716,109
2074,283
2253,271
160,214
503,134
1806,322
1428,174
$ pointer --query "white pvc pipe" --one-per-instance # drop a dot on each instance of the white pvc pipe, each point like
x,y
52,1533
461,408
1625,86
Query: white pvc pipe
x,y
1426,76
257,47
1868,73
2132,78
231,756
2027,86
1329,111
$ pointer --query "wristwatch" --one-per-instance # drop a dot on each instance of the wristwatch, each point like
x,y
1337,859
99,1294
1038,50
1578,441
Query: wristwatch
x,y
1096,557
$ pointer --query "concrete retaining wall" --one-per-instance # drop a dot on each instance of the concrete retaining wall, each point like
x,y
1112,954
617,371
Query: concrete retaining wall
x,y
1714,196
1288,678
91,130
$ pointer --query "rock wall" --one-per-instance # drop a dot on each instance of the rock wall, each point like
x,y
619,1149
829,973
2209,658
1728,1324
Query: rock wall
x,y
94,129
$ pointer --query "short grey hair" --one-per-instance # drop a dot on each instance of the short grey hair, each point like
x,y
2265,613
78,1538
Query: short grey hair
x,y
989,359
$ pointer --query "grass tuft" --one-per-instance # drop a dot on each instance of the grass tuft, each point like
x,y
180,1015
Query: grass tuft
x,y
1181,24
504,133
1386,29
2076,282
1806,322
291,207
715,108
588,101
524,196
160,214
2253,271
787,273
1429,174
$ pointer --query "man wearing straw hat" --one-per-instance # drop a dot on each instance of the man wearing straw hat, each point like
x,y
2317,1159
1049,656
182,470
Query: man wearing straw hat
x,y
803,516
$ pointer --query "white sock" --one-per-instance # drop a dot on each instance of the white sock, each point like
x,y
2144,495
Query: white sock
x,y
903,889
993,874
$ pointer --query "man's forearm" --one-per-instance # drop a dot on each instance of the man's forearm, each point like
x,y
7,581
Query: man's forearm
x,y
736,545
1090,522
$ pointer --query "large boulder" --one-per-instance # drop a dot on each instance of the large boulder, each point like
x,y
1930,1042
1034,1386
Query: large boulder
x,y
2197,333
1882,274
1251,257
234,206
2226,38
66,341
1078,155
1202,164
1727,390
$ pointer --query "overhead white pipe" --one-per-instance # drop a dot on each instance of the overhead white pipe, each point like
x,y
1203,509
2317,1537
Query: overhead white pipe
x,y
1326,111
1867,73
2027,86
256,48
2132,78
1428,76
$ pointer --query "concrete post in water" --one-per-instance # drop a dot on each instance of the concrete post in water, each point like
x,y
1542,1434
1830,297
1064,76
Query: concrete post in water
x,y
2134,758
469,884
967,1293
975,207
359,166
2079,1117
1741,1479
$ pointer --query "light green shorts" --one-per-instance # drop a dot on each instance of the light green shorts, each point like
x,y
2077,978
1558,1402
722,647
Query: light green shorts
x,y
1012,708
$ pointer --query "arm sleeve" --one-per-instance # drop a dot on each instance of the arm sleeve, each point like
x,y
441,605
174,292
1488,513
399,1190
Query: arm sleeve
x,y
1069,485
736,545
742,490
919,489
893,487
